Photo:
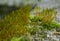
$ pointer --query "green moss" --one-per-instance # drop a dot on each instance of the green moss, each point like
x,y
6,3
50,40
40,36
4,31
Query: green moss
x,y
14,23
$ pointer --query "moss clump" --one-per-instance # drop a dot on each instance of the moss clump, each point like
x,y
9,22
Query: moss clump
x,y
14,23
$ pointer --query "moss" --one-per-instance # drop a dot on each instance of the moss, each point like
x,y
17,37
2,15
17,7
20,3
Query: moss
x,y
14,23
